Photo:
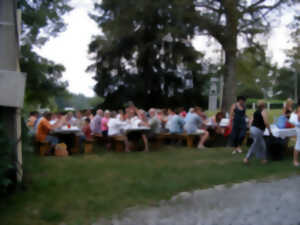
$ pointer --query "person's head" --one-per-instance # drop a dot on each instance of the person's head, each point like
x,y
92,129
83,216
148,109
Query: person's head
x,y
261,105
288,113
87,121
88,112
152,112
113,114
241,100
176,111
100,112
34,114
191,110
289,103
78,115
48,115
198,110
107,114
219,117
69,115
130,113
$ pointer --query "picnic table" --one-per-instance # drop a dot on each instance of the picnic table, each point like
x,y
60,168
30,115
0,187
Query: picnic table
x,y
223,123
281,133
68,135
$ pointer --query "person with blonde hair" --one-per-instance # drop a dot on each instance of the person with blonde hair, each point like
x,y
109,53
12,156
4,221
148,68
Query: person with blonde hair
x,y
259,124
288,106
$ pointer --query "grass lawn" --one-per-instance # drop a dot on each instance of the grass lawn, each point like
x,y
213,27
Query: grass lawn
x,y
79,190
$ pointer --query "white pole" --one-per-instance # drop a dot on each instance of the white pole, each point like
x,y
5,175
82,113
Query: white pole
x,y
9,60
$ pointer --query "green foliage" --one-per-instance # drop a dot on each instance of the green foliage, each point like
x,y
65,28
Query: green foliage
x,y
285,83
78,102
225,21
254,72
43,77
145,53
41,19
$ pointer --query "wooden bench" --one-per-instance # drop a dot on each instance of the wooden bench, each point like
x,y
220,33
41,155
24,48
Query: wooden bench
x,y
188,138
116,142
41,148
88,147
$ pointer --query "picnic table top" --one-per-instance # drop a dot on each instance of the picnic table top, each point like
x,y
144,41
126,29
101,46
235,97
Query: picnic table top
x,y
66,130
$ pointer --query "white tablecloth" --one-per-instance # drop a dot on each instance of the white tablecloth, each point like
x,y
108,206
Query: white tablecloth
x,y
281,133
66,130
224,123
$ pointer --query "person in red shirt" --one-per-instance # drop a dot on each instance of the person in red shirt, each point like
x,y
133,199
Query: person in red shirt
x,y
87,130
87,133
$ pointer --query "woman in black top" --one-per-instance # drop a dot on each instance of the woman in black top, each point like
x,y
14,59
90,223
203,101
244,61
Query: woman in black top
x,y
239,125
259,124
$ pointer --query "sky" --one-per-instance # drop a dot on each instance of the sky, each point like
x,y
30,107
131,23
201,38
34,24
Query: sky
x,y
70,48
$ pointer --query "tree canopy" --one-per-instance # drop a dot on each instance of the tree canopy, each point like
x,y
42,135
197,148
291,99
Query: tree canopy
x,y
41,19
145,53
225,21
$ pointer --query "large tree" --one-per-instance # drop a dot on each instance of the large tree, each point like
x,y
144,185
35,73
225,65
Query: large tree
x,y
41,19
145,52
255,73
226,21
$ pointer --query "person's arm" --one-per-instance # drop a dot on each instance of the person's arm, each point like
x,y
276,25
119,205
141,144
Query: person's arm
x,y
231,115
266,120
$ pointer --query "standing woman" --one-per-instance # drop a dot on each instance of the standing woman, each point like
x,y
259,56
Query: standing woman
x,y
259,124
239,125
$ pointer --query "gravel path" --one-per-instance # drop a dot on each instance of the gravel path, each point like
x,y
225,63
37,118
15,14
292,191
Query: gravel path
x,y
250,203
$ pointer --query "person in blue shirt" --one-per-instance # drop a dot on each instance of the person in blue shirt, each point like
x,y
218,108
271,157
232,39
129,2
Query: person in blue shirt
x,y
194,124
176,123
283,119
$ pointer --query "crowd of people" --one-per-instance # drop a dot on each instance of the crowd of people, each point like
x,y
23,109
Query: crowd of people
x,y
115,123
177,121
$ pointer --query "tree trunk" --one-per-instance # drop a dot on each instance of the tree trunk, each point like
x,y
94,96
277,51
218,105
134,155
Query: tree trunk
x,y
229,78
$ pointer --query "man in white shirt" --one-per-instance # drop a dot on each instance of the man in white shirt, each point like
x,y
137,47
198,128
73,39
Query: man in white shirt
x,y
116,128
136,118
96,123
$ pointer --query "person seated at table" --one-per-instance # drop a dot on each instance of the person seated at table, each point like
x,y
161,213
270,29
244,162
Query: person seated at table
x,y
70,119
176,122
162,115
137,118
116,128
259,124
194,124
182,112
31,122
288,106
154,122
283,120
79,120
86,133
96,123
216,120
104,122
43,131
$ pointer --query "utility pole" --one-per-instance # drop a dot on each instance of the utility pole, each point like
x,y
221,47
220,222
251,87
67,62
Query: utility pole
x,y
12,82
